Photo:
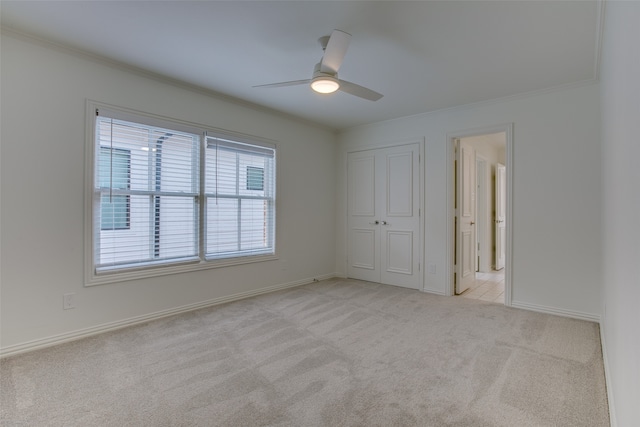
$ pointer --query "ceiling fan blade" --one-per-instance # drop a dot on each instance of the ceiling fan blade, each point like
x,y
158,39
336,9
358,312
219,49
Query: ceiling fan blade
x,y
360,91
283,84
334,52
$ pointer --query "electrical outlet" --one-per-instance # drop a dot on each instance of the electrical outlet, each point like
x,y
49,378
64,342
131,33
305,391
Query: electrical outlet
x,y
432,268
68,301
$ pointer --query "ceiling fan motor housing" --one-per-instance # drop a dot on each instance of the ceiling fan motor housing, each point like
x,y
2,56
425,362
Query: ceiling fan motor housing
x,y
322,82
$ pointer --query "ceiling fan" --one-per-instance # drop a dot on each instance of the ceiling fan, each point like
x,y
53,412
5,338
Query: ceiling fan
x,y
325,74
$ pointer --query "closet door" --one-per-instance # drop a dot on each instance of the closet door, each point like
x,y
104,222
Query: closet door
x,y
384,217
364,219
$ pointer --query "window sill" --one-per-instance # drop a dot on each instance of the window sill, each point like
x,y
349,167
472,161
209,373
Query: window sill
x,y
145,272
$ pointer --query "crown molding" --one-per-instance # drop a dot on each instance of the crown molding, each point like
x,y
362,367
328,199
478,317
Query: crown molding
x,y
477,104
142,72
600,18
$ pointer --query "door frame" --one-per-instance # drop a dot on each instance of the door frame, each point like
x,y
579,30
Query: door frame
x,y
500,191
450,187
421,207
481,211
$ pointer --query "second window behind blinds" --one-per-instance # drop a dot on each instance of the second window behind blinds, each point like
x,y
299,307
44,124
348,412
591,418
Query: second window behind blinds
x,y
239,198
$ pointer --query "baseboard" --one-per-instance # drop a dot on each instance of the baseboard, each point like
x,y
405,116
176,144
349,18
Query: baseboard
x,y
112,326
557,311
613,422
434,291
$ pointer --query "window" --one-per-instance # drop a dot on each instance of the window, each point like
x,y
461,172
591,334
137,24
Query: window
x,y
255,178
240,207
154,212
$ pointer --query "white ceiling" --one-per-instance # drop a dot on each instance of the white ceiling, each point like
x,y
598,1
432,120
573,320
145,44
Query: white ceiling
x,y
422,55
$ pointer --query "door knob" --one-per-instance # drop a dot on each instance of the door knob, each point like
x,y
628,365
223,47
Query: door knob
x,y
384,222
471,223
376,222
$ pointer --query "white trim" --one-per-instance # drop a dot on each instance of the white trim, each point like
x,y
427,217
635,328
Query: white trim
x,y
91,276
434,291
508,272
422,165
484,187
613,421
34,39
600,16
519,96
123,275
557,311
142,72
112,326
147,118
385,144
449,246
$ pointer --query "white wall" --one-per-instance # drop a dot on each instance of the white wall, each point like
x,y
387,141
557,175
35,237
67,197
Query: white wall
x,y
44,91
556,185
620,92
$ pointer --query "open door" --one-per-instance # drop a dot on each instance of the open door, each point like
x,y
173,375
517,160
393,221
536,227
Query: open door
x,y
500,238
465,259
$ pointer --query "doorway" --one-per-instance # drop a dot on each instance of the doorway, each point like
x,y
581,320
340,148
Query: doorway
x,y
487,287
479,192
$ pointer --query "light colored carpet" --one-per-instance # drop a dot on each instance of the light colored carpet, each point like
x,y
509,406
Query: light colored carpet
x,y
333,353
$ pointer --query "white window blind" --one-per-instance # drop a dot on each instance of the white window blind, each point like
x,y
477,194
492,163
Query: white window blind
x,y
168,196
149,213
240,198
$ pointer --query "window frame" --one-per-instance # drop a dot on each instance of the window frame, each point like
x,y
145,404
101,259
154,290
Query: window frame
x,y
152,269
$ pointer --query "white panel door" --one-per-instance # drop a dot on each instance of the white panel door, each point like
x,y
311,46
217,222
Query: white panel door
x,y
501,191
364,228
384,218
465,271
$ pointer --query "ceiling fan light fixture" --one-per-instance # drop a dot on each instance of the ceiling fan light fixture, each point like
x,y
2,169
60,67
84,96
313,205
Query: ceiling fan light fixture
x,y
325,84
